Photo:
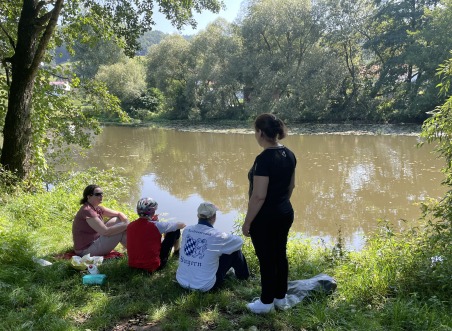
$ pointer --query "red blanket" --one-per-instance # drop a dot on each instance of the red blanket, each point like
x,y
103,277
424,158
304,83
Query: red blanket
x,y
68,255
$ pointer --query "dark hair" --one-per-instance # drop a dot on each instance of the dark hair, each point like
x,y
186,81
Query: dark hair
x,y
271,126
89,190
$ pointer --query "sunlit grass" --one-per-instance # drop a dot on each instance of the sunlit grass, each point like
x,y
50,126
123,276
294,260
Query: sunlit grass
x,y
390,285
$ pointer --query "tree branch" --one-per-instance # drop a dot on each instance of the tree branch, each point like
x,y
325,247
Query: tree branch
x,y
10,39
56,75
44,41
266,41
44,18
5,62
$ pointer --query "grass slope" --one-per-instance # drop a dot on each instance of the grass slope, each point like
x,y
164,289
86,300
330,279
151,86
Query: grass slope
x,y
392,284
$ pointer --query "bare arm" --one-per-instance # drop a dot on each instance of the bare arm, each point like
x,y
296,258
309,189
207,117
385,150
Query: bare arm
x,y
292,184
113,213
99,226
260,186
181,225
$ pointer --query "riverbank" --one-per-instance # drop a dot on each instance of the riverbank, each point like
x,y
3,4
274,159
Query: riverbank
x,y
399,281
298,129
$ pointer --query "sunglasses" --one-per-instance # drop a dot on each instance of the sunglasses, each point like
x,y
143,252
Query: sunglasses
x,y
98,194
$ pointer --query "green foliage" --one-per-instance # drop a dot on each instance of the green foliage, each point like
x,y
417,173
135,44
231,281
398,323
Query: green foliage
x,y
99,102
438,130
330,61
7,182
200,78
346,24
286,70
167,62
176,105
213,90
148,39
125,80
149,105
90,55
402,37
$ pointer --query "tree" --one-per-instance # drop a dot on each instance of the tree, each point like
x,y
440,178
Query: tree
x,y
286,72
400,56
168,69
437,130
28,29
216,79
124,79
344,23
148,39
90,56
432,46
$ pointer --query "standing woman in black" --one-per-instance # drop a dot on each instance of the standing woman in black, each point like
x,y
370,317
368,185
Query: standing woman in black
x,y
270,213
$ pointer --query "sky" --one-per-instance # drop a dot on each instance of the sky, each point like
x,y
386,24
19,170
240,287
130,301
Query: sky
x,y
203,19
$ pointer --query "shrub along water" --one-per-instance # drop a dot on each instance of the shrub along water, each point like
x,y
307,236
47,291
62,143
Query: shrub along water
x,y
399,281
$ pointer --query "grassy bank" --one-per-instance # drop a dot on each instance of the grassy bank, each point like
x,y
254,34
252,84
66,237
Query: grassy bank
x,y
392,284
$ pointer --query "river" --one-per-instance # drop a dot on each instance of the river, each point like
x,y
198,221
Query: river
x,y
343,182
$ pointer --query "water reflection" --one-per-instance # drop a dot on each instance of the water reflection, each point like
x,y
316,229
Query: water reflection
x,y
342,182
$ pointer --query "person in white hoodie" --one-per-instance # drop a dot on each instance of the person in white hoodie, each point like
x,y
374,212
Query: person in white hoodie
x,y
206,254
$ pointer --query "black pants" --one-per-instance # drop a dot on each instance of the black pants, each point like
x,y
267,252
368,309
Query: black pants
x,y
269,236
167,244
236,261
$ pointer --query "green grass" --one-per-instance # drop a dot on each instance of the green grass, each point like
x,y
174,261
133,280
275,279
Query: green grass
x,y
390,285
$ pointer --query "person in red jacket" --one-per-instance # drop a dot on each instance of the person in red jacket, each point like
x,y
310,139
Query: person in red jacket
x,y
145,247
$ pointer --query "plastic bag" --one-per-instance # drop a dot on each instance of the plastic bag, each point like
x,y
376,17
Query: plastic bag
x,y
42,262
82,263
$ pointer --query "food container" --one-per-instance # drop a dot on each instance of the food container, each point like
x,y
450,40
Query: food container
x,y
97,279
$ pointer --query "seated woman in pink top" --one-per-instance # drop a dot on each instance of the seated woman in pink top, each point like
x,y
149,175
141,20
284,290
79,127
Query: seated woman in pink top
x,y
90,233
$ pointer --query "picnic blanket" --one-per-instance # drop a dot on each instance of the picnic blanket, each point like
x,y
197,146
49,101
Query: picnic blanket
x,y
69,254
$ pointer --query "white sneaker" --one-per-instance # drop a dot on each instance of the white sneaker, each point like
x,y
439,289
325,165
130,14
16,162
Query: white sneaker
x,y
257,307
282,304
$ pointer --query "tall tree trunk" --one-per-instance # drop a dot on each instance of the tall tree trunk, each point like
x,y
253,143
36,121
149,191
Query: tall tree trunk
x,y
36,26
17,130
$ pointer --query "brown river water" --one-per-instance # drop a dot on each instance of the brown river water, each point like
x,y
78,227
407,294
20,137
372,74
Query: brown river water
x,y
343,182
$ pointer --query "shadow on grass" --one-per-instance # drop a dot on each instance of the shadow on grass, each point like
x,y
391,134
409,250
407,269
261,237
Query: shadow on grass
x,y
137,297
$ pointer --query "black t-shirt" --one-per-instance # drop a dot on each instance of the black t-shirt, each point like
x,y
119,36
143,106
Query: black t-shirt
x,y
278,164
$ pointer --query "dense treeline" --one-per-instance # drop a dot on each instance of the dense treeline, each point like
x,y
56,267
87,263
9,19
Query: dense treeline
x,y
329,61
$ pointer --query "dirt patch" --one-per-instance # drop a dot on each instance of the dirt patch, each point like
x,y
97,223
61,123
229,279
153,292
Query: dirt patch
x,y
137,323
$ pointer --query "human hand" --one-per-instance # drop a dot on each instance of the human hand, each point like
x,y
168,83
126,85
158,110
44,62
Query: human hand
x,y
246,229
123,218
